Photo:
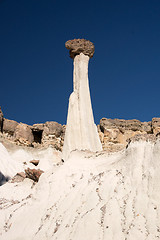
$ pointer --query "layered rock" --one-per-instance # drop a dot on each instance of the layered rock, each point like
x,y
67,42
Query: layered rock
x,y
156,125
81,132
121,124
40,134
116,133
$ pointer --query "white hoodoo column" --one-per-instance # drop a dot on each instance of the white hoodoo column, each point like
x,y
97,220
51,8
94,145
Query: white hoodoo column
x,y
81,131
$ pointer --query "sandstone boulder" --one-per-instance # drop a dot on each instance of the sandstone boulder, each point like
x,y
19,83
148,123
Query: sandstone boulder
x,y
147,127
38,127
9,126
33,174
19,177
156,125
23,133
53,128
77,46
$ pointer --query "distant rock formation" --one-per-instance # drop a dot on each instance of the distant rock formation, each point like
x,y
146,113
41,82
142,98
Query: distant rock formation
x,y
23,133
115,134
38,135
9,126
81,132
156,125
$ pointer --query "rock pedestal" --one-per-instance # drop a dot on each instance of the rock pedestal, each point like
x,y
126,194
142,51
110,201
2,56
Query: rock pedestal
x,y
81,131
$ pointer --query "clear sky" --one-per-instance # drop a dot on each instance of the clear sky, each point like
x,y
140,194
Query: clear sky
x,y
36,70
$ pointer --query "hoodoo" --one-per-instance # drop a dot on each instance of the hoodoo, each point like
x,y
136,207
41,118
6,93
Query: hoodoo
x,y
81,131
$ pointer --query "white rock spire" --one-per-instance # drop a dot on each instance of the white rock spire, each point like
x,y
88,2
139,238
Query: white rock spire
x,y
81,131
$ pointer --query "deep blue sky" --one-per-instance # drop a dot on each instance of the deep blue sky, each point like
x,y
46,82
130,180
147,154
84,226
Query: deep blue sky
x,y
36,71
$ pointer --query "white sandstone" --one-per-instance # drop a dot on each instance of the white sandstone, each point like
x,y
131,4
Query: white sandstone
x,y
81,131
91,196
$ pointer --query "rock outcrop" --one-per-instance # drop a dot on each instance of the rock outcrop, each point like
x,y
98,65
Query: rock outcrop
x,y
77,46
38,135
115,134
156,125
9,126
53,134
33,174
121,124
23,134
53,128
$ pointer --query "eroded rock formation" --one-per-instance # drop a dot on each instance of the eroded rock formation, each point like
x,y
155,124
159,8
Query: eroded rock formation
x,y
156,125
9,126
23,133
38,135
81,132
115,134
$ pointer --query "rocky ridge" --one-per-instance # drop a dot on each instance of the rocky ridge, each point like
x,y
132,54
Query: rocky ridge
x,y
37,135
115,134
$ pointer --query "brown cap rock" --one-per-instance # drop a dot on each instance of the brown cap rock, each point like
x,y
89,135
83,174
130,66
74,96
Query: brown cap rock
x,y
77,46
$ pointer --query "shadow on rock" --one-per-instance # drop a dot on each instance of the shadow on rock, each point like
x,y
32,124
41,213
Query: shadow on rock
x,y
3,179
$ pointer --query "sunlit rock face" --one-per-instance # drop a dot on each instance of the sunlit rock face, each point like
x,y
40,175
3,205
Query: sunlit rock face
x,y
81,131
93,195
90,196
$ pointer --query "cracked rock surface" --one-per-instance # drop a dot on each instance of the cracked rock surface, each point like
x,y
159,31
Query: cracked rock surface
x,y
91,196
